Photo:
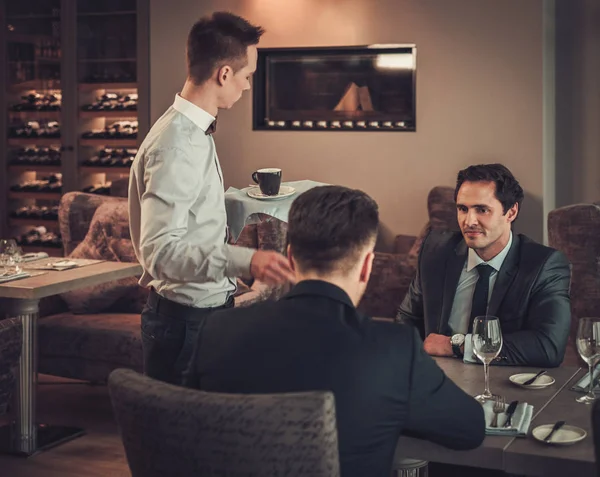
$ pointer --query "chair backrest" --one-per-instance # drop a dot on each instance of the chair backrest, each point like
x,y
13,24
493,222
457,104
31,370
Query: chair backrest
x,y
574,230
596,433
11,333
75,213
441,208
170,430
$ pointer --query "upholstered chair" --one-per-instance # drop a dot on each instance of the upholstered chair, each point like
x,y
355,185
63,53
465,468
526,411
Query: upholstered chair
x,y
575,231
175,431
393,272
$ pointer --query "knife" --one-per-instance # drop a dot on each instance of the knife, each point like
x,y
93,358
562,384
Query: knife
x,y
532,380
556,427
512,407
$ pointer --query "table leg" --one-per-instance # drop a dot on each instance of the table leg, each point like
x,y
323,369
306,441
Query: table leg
x,y
23,436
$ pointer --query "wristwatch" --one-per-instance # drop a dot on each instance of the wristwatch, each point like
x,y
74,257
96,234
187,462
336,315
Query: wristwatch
x,y
457,341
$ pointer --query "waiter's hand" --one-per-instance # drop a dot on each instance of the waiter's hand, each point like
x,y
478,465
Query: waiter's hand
x,y
271,268
438,345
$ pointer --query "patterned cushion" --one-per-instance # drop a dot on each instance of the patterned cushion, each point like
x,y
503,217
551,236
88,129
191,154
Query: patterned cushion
x,y
389,282
112,339
108,239
169,430
75,215
442,216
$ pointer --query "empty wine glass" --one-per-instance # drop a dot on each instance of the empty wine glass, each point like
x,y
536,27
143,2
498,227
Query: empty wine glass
x,y
10,257
588,345
487,343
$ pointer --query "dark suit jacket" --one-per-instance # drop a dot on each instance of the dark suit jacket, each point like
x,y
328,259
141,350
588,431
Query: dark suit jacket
x,y
530,296
315,339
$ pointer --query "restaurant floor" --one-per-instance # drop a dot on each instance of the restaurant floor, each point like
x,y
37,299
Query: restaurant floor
x,y
99,453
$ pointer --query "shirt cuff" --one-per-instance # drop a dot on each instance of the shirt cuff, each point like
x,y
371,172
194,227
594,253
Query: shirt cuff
x,y
238,263
469,357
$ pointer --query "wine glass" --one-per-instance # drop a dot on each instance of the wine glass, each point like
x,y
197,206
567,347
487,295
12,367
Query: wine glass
x,y
487,343
10,256
588,345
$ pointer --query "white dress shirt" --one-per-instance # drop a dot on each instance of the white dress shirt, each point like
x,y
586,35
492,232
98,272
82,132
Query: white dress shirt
x,y
177,212
463,299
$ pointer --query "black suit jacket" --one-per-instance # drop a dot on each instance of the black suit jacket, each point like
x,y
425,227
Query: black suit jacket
x,y
530,297
315,339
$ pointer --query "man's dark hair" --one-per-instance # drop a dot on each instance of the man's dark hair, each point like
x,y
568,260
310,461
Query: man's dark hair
x,y
329,226
220,39
508,190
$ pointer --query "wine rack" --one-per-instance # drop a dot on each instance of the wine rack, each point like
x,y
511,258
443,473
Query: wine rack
x,y
76,106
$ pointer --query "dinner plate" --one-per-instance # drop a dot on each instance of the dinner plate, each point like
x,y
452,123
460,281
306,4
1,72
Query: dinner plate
x,y
565,436
542,382
284,191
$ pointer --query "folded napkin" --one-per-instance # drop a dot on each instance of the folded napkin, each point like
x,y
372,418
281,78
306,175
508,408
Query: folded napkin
x,y
14,276
64,265
520,422
583,384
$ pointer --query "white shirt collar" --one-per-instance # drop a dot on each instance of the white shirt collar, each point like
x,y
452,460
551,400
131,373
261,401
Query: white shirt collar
x,y
495,263
196,114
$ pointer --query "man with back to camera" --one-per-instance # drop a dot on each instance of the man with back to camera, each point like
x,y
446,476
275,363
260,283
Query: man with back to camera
x,y
177,206
488,269
315,339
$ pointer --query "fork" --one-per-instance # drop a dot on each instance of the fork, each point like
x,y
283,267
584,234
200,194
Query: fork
x,y
499,407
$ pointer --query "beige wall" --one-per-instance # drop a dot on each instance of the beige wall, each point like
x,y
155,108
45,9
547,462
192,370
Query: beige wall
x,y
578,101
479,96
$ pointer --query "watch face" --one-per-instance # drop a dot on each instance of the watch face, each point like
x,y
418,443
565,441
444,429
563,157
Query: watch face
x,y
457,339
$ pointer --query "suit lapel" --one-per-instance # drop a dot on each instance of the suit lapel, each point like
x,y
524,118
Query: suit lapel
x,y
454,267
506,276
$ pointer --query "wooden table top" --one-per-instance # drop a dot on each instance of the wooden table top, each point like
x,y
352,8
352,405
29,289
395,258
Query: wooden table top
x,y
470,378
55,282
551,460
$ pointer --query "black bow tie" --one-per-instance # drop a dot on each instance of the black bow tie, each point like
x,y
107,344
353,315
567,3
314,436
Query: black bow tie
x,y
212,128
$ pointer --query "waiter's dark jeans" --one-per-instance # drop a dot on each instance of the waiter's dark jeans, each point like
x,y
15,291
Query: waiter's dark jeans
x,y
170,332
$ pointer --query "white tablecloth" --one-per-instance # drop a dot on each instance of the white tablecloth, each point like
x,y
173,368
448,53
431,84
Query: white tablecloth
x,y
243,210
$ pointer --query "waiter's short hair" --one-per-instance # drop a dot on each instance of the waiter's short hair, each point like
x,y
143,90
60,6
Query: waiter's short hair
x,y
218,40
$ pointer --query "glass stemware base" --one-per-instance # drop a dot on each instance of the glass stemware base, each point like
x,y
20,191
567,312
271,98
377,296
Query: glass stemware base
x,y
484,397
587,399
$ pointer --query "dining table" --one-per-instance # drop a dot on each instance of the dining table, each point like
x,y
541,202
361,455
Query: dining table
x,y
20,298
516,455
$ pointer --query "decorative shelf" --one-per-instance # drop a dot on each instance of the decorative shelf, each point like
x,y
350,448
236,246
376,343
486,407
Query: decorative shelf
x,y
108,142
34,195
34,141
102,14
96,86
34,168
107,60
55,115
35,84
51,251
104,170
33,16
107,114
33,222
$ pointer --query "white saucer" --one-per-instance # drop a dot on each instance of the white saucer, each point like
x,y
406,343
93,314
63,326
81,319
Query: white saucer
x,y
542,382
565,436
284,191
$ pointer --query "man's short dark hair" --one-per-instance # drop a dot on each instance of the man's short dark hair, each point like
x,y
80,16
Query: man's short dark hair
x,y
220,39
329,226
508,190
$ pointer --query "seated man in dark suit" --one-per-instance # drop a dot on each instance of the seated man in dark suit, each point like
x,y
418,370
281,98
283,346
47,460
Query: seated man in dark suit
x,y
315,339
487,269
